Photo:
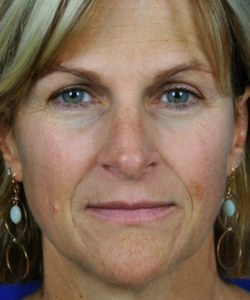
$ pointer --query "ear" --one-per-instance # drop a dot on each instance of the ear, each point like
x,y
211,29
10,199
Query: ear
x,y
240,131
9,148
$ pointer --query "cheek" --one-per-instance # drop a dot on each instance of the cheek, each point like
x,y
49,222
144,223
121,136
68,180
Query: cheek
x,y
205,183
52,167
199,156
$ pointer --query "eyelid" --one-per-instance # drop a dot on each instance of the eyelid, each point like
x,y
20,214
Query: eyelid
x,y
70,88
194,100
182,87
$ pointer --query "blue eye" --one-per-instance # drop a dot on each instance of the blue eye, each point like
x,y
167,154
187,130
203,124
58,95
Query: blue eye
x,y
74,95
176,96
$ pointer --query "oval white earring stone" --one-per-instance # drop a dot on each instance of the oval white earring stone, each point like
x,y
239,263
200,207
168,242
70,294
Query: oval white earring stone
x,y
15,214
229,208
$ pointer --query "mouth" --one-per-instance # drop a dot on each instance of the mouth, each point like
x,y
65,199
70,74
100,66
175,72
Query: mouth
x,y
123,212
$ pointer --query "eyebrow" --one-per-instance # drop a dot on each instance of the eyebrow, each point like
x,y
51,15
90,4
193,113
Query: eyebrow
x,y
160,76
81,73
185,67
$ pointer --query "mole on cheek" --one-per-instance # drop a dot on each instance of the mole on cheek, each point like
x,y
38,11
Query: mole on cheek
x,y
54,208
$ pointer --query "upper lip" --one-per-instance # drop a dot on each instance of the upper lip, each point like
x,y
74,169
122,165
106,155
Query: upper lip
x,y
129,205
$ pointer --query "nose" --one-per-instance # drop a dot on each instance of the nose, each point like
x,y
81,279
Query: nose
x,y
129,151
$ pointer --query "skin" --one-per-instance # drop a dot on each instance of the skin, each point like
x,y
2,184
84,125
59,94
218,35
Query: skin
x,y
128,144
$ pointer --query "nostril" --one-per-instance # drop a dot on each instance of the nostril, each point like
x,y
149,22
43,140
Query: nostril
x,y
128,169
128,152
148,168
106,167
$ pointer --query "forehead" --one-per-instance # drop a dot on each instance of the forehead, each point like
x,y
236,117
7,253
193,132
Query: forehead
x,y
127,39
132,24
118,18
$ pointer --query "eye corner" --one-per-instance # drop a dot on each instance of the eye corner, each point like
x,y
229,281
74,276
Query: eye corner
x,y
72,94
176,97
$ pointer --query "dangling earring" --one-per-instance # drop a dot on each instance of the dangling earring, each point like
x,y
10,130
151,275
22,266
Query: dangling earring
x,y
228,218
16,225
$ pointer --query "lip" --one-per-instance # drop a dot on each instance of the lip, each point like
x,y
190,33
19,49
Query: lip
x,y
131,213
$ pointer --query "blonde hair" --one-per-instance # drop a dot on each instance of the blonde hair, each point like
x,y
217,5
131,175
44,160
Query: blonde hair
x,y
33,33
228,30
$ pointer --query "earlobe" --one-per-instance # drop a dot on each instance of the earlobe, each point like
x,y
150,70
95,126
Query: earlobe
x,y
240,131
9,149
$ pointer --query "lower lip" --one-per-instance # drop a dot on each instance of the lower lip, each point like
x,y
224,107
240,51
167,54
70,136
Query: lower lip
x,y
137,215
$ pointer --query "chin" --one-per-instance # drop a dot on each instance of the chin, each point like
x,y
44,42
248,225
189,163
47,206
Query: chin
x,y
135,272
135,279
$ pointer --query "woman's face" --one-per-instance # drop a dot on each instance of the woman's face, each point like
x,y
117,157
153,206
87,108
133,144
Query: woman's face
x,y
124,147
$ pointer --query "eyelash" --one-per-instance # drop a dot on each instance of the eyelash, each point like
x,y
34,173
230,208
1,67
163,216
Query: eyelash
x,y
60,97
192,98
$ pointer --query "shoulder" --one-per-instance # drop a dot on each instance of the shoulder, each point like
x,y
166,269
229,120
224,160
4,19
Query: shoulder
x,y
238,289
18,291
242,294
243,283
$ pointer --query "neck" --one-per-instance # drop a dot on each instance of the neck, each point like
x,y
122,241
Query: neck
x,y
196,278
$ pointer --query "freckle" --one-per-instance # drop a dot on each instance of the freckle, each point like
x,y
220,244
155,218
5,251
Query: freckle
x,y
196,191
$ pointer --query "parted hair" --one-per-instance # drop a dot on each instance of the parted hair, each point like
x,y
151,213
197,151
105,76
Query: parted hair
x,y
33,34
